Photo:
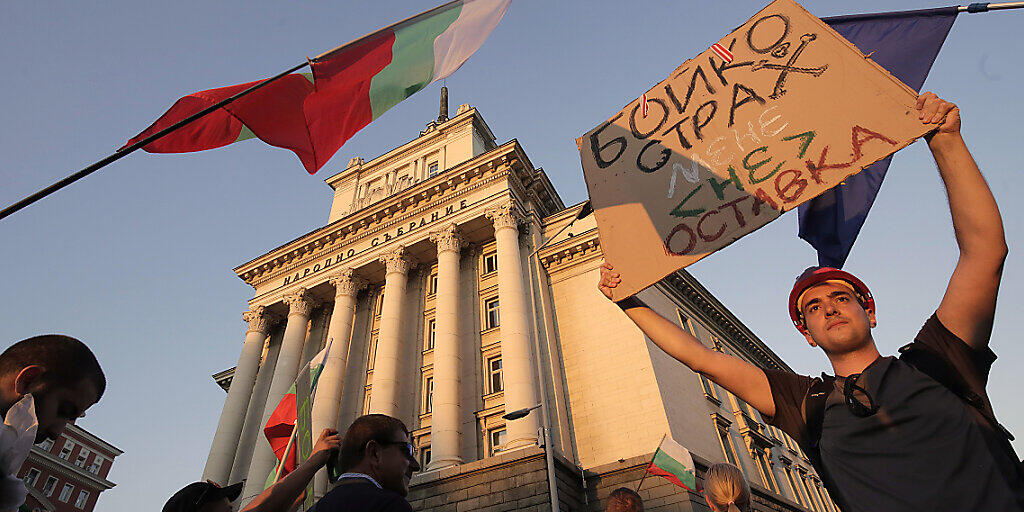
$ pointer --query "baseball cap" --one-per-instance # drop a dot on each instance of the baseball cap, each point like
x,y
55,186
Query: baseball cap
x,y
193,496
817,275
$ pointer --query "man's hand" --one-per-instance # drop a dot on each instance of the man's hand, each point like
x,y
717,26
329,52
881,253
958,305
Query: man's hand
x,y
935,110
328,442
609,279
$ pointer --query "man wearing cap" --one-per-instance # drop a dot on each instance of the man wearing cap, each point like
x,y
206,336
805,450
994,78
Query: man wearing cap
x,y
891,437
280,497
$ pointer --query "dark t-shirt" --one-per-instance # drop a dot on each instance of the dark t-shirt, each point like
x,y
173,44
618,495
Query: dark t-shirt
x,y
360,495
923,450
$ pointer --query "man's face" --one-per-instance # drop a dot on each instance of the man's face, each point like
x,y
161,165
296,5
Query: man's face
x,y
834,319
56,406
396,465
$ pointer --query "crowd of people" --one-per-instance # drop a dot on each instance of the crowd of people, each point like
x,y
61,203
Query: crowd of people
x,y
907,433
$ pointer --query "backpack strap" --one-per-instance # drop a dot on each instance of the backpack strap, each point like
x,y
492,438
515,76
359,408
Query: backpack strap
x,y
813,410
938,368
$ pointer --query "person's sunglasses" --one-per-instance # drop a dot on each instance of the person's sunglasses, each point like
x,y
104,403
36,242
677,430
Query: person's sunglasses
x,y
406,447
858,400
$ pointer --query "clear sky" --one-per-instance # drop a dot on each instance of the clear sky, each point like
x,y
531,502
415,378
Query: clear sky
x,y
136,260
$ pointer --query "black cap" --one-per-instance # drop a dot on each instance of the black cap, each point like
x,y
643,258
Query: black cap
x,y
193,496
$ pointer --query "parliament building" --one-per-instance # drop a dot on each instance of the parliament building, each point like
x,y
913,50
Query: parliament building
x,y
455,287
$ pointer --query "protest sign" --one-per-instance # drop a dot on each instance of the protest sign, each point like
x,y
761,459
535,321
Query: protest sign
x,y
768,117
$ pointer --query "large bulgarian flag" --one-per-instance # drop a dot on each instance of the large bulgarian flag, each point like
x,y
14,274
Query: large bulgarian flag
x,y
293,417
674,462
313,114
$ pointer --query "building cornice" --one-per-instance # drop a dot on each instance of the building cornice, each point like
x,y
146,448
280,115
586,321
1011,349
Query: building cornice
x,y
67,469
88,436
496,164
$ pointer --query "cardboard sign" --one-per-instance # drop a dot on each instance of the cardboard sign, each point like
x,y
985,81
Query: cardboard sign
x,y
768,117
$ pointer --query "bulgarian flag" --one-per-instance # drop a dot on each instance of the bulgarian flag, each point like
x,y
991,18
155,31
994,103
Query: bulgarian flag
x,y
313,114
292,417
674,462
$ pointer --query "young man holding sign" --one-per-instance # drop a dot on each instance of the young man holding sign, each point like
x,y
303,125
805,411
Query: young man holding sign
x,y
909,433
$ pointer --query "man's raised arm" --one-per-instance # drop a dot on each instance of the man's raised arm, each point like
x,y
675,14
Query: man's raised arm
x,y
969,305
746,381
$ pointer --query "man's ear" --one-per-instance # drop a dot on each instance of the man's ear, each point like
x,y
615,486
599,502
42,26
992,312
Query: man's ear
x,y
373,451
871,318
27,378
810,340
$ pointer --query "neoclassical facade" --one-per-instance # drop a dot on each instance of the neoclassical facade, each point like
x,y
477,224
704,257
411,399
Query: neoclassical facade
x,y
454,287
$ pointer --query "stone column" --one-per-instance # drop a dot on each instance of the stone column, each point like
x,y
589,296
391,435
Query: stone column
x,y
384,389
232,417
445,436
516,348
300,305
327,401
258,402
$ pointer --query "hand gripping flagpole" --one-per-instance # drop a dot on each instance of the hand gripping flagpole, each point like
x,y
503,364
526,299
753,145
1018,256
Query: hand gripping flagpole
x,y
295,429
648,466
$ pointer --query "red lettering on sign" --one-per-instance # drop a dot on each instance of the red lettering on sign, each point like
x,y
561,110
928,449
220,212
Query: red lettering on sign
x,y
689,245
700,230
786,191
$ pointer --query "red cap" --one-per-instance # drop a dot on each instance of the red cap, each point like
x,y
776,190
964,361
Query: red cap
x,y
818,275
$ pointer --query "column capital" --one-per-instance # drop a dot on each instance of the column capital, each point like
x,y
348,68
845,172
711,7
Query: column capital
x,y
300,302
259,319
346,283
448,238
504,215
396,260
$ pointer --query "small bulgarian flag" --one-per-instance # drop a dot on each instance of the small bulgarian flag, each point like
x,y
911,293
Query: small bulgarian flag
x,y
293,417
314,114
674,462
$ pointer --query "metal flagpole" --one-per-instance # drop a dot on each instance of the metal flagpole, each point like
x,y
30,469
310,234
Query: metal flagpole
x,y
985,7
648,466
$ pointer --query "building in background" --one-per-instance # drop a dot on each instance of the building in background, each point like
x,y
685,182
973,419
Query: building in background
x,y
449,303
69,474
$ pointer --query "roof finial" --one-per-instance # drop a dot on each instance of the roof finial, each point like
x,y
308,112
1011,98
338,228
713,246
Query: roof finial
x,y
442,114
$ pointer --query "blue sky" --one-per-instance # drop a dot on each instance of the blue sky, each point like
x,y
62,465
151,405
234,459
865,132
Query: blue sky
x,y
136,260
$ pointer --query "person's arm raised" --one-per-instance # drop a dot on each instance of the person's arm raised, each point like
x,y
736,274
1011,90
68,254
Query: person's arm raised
x,y
746,381
282,496
969,304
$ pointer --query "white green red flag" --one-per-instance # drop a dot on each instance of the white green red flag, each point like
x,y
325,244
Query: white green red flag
x,y
674,463
293,416
314,114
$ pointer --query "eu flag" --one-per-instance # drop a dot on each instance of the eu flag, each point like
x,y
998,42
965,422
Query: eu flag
x,y
906,44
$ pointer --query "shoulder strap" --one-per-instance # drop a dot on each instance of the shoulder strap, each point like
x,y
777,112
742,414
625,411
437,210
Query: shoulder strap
x,y
938,368
813,409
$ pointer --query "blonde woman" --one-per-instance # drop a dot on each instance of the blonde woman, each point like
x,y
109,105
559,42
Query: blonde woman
x,y
725,489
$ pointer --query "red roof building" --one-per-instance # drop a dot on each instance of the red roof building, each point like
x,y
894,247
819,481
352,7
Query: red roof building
x,y
69,474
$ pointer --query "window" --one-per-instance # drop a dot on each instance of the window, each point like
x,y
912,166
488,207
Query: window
x,y
83,454
366,401
51,483
491,316
379,305
764,467
31,477
65,493
709,389
807,492
432,284
46,445
371,353
821,497
428,395
83,497
792,483
717,344
727,448
424,457
432,170
494,378
684,322
490,263
497,438
65,451
97,464
431,334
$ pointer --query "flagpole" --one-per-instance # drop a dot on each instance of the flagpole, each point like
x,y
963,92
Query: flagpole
x,y
295,428
648,466
125,151
984,7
